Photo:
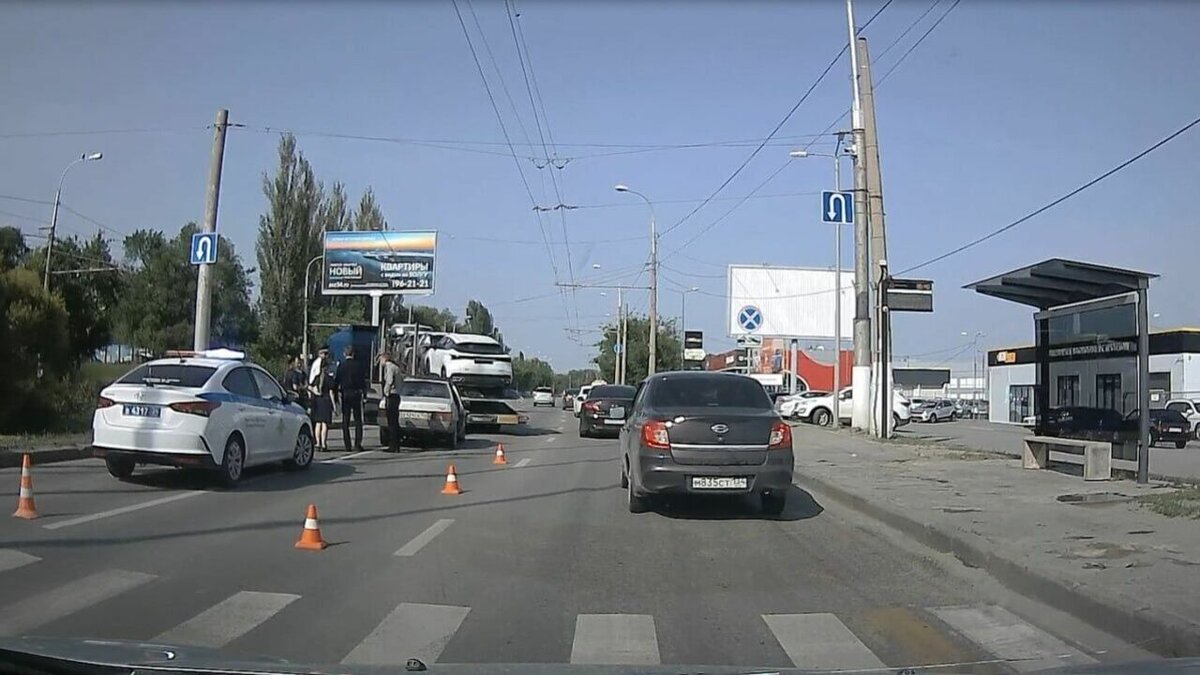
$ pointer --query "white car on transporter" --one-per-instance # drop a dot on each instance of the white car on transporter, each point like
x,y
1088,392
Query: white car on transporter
x,y
211,410
469,360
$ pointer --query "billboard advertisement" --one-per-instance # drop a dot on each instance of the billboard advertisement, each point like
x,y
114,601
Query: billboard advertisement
x,y
392,263
788,302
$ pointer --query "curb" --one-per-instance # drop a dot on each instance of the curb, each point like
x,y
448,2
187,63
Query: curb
x,y
1163,635
11,458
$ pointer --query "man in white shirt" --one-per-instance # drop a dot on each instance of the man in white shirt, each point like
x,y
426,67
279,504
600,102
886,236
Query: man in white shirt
x,y
391,397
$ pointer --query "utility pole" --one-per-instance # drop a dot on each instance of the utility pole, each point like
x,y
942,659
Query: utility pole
x,y
624,342
860,417
875,219
619,357
212,197
653,296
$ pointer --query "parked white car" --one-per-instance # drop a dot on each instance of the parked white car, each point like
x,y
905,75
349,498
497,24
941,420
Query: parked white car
x,y
472,360
934,411
213,410
789,406
819,410
1190,409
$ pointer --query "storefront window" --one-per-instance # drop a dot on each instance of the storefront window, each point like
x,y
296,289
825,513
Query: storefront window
x,y
1020,402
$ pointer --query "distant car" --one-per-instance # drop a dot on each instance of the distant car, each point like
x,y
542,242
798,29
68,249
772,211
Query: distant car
x,y
580,397
700,433
1169,426
543,396
788,406
430,409
941,410
605,409
212,410
818,410
568,398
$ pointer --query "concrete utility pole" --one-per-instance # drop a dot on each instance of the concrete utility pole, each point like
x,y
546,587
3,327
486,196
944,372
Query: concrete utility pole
x,y
875,218
860,412
212,197
653,278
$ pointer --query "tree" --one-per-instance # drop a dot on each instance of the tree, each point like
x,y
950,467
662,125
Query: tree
x,y
334,215
368,217
575,378
668,355
479,320
33,336
12,248
531,373
89,295
289,236
157,311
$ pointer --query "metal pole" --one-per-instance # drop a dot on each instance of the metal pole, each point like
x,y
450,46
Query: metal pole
x,y
624,343
653,293
837,306
682,324
307,269
1143,366
54,217
794,370
212,197
885,398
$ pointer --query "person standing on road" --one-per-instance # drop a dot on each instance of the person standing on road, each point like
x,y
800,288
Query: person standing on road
x,y
351,383
391,397
320,385
294,381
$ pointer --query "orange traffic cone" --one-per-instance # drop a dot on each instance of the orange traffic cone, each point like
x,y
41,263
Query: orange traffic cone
x,y
310,538
451,487
500,457
25,506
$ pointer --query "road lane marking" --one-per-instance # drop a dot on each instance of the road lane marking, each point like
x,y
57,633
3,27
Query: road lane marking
x,y
820,641
411,631
418,542
343,458
615,639
999,631
21,617
71,522
11,559
228,620
522,463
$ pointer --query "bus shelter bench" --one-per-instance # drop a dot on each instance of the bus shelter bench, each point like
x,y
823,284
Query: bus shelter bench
x,y
1095,456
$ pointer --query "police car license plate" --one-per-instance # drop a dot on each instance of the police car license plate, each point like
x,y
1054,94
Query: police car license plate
x,y
141,411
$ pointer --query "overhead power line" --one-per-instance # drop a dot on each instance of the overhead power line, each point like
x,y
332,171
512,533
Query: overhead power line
x,y
918,42
1036,212
99,132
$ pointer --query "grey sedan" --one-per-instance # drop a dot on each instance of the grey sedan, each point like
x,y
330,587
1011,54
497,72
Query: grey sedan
x,y
701,433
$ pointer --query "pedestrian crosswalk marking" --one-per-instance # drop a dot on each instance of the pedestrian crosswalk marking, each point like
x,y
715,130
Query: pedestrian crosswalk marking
x,y
228,620
21,617
820,641
11,559
418,542
411,630
615,639
999,631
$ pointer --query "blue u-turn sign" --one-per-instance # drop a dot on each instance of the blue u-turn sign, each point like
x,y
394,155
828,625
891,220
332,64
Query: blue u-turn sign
x,y
204,248
837,207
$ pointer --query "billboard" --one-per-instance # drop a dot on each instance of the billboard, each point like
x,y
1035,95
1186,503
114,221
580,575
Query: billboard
x,y
788,302
393,263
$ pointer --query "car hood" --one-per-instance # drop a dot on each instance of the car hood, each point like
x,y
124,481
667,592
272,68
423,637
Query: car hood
x,y
61,654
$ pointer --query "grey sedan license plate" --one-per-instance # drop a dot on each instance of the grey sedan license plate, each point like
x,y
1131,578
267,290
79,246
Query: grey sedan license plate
x,y
719,483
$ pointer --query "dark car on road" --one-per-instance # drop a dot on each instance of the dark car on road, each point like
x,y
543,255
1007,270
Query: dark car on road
x,y
695,433
1168,426
605,409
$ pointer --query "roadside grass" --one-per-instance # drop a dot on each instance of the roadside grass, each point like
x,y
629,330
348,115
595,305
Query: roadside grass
x,y
1183,502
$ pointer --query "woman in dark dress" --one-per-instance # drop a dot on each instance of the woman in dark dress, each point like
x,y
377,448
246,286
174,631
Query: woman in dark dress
x,y
321,387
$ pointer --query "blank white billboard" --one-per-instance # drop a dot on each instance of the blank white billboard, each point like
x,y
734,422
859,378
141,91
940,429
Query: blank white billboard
x,y
788,302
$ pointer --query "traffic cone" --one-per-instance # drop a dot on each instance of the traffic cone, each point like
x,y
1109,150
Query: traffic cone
x,y
25,506
310,538
451,487
500,457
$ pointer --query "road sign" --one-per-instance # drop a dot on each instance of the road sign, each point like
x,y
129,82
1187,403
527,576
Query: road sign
x,y
693,354
750,318
749,341
910,295
616,347
204,248
693,339
837,207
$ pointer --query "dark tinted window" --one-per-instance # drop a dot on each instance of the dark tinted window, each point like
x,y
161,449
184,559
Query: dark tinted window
x,y
241,382
1168,416
487,348
169,374
612,391
1179,406
424,389
708,392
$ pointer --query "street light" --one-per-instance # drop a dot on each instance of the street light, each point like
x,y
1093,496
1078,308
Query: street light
x,y
94,157
653,276
307,268
837,254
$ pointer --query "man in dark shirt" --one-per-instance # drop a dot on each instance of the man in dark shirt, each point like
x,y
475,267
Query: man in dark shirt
x,y
351,382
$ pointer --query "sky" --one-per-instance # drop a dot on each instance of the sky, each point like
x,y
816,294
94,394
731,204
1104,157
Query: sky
x,y
1003,107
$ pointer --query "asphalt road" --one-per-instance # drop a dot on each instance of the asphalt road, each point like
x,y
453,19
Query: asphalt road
x,y
539,561
1165,460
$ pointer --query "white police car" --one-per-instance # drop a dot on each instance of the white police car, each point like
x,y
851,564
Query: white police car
x,y
212,410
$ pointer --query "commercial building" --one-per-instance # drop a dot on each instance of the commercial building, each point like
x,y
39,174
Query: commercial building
x,y
1097,383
